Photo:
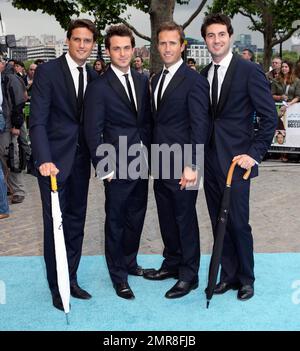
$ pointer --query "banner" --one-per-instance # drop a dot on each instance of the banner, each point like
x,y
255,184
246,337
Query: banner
x,y
287,134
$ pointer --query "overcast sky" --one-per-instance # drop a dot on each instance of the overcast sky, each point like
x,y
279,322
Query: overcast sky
x,y
23,22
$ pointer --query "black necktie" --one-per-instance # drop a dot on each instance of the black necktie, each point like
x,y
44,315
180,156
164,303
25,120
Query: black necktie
x,y
214,90
161,84
130,92
80,90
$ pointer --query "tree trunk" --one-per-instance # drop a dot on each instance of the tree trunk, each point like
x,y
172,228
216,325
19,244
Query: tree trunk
x,y
268,38
160,11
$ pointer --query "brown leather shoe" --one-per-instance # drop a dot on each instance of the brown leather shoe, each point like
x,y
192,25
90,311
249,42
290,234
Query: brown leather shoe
x,y
4,215
17,199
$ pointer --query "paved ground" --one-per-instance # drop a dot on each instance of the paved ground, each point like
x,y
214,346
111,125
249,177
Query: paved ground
x,y
275,217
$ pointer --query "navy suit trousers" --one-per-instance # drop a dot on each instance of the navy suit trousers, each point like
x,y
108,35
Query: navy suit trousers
x,y
237,263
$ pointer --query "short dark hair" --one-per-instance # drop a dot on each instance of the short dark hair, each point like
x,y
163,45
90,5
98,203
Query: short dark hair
x,y
191,60
82,23
216,18
170,26
251,53
19,63
140,57
39,61
119,30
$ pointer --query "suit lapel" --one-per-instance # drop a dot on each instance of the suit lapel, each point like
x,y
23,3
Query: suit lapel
x,y
225,89
137,81
69,84
174,82
154,82
118,87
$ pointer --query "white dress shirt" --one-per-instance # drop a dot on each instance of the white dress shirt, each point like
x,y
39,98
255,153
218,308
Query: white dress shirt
x,y
172,70
75,72
122,79
224,64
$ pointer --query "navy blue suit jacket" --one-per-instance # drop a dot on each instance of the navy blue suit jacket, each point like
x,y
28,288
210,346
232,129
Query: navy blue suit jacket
x,y
108,114
54,118
245,89
182,117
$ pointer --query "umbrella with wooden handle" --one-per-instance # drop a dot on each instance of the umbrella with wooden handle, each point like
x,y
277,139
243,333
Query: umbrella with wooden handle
x,y
220,233
63,280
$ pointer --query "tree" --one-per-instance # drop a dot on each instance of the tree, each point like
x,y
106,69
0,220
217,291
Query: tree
x,y
277,20
108,12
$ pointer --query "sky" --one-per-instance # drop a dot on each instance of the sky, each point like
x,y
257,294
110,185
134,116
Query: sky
x,y
23,22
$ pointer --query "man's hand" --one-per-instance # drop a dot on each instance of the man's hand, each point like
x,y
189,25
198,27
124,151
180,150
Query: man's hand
x,y
48,168
188,178
15,131
244,161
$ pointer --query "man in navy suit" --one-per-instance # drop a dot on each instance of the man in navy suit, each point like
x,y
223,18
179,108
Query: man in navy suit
x,y
238,88
180,104
117,113
58,147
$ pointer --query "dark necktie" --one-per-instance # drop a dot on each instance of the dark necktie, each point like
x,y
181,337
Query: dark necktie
x,y
214,91
80,90
130,92
161,84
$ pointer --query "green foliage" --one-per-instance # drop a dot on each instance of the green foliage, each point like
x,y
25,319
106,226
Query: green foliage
x,y
290,56
105,12
62,9
263,14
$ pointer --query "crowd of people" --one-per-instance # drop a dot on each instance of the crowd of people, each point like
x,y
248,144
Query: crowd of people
x,y
75,109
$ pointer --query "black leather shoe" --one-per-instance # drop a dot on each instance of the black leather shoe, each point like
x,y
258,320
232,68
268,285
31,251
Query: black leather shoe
x,y
57,302
160,274
123,290
79,293
245,292
222,287
181,288
136,271
17,199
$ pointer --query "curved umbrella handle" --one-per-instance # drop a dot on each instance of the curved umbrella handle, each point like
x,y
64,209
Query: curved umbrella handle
x,y
53,183
231,170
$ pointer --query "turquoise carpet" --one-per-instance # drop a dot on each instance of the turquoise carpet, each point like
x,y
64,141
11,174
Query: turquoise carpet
x,y
25,301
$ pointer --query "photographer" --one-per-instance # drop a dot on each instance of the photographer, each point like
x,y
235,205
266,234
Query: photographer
x,y
13,100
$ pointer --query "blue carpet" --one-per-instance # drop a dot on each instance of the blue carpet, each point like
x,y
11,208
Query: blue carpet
x,y
275,306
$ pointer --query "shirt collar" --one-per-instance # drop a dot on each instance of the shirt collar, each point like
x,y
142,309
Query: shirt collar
x,y
72,64
172,69
225,62
119,73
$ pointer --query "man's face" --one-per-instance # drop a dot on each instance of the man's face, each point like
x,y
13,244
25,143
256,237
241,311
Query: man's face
x,y
276,64
246,55
18,68
138,63
120,52
80,44
31,70
218,41
169,47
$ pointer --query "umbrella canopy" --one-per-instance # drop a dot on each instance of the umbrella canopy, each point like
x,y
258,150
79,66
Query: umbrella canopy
x,y
63,280
220,233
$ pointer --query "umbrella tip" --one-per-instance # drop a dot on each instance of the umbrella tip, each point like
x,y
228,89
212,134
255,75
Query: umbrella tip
x,y
207,303
67,318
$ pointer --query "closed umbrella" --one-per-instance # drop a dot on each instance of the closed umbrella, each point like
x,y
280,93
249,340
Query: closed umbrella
x,y
63,280
220,233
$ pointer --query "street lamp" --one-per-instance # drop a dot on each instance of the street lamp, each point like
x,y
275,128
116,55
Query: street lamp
x,y
280,32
